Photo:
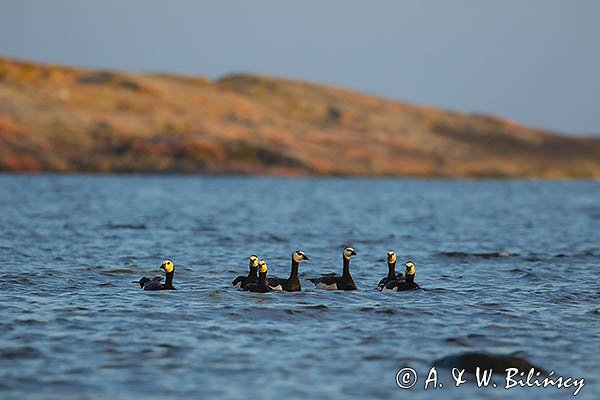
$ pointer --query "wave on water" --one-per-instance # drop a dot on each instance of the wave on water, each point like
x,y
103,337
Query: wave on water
x,y
126,226
485,255
20,352
532,257
113,271
471,361
536,257
76,324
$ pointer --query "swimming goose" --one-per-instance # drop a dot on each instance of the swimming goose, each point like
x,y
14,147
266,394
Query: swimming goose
x,y
291,284
155,283
392,275
409,284
241,281
261,286
144,280
334,282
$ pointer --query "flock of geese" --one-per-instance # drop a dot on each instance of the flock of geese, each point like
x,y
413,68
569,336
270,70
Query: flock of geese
x,y
258,281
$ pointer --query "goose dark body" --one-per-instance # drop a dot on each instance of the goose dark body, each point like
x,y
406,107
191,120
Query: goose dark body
x,y
400,286
261,286
252,277
392,275
147,281
155,283
291,284
335,282
389,279
404,285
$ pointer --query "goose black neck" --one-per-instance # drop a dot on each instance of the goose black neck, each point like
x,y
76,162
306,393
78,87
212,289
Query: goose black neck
x,y
253,273
410,278
392,270
294,271
346,266
262,279
169,280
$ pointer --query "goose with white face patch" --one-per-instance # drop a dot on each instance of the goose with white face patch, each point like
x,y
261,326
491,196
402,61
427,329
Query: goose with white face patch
x,y
291,284
242,281
408,284
335,282
261,286
392,275
155,283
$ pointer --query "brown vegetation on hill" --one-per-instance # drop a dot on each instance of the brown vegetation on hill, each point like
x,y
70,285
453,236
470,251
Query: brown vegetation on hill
x,y
55,118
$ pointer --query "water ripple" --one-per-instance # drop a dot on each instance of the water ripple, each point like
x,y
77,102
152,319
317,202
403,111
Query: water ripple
x,y
74,326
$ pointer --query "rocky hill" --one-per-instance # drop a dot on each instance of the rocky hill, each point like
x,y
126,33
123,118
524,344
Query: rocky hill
x,y
56,118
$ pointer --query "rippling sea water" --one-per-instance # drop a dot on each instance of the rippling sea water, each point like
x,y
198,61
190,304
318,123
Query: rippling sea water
x,y
507,267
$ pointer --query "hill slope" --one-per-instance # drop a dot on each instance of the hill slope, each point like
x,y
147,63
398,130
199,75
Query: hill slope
x,y
55,118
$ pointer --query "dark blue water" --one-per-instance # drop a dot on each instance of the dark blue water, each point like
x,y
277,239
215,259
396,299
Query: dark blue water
x,y
508,267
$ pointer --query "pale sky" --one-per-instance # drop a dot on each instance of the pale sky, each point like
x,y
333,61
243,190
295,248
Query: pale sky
x,y
534,61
